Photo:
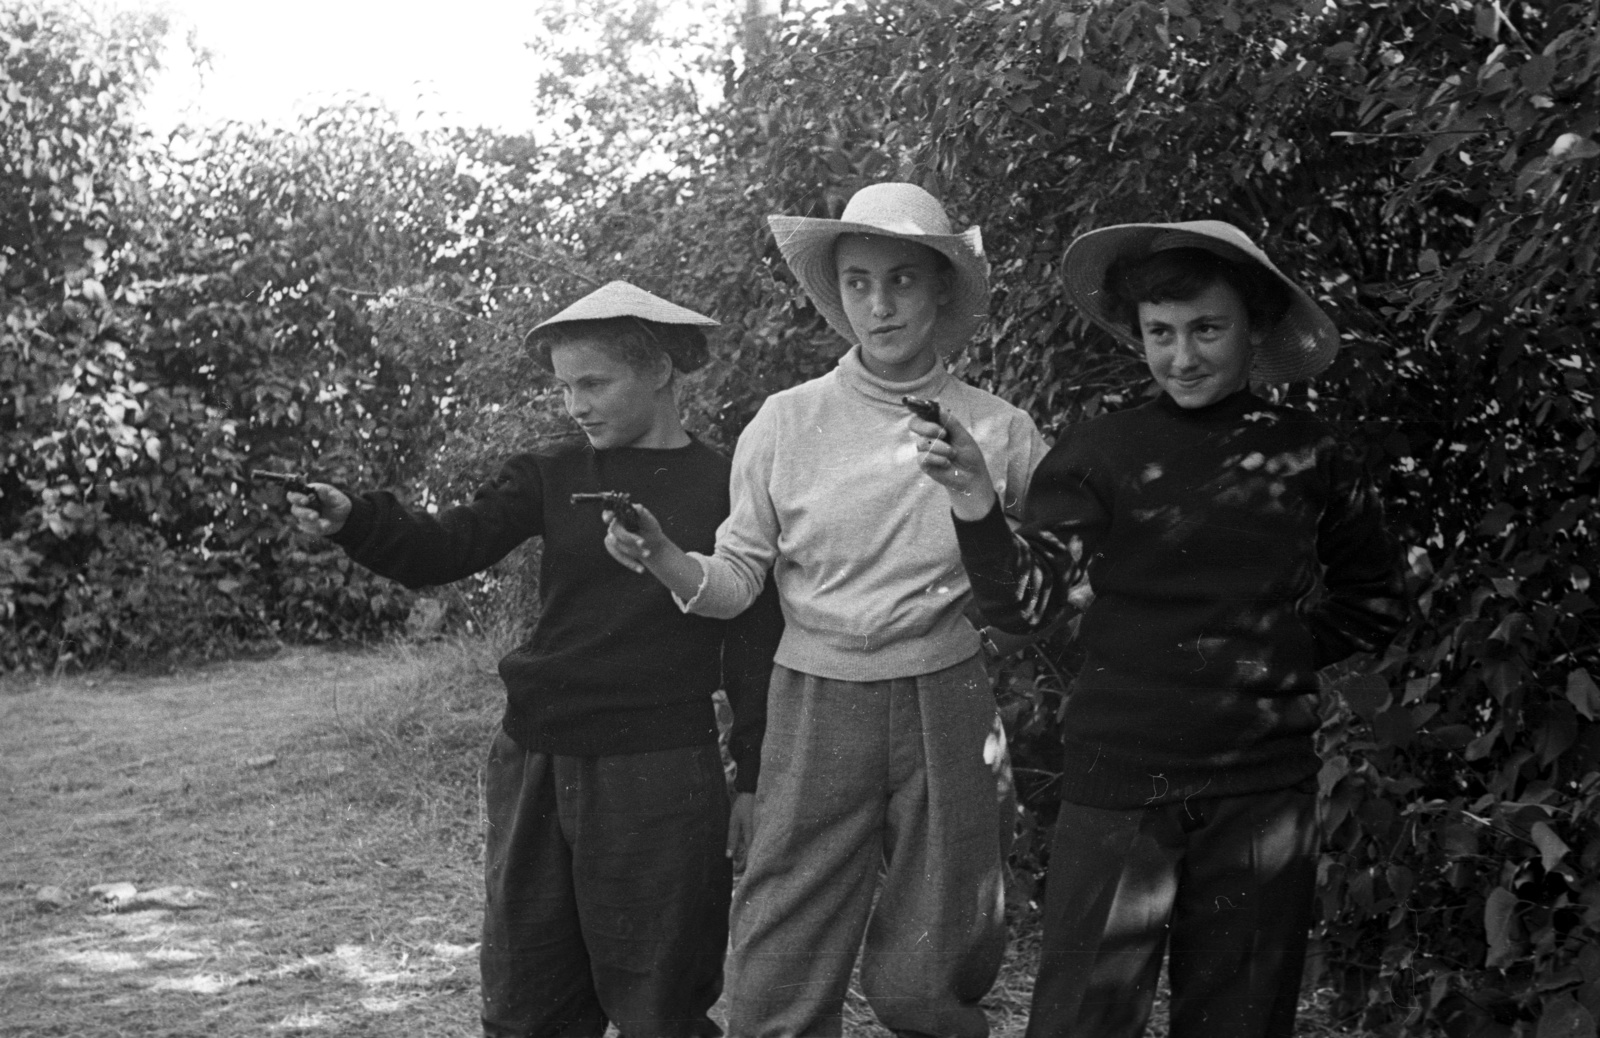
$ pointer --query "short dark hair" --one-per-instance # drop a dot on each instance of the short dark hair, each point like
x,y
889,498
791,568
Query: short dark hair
x,y
635,341
1181,274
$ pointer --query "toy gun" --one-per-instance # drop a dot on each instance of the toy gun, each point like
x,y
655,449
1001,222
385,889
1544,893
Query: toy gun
x,y
615,501
288,480
927,410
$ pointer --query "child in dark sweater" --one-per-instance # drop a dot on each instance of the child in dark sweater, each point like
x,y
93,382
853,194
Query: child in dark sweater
x,y
1234,548
607,866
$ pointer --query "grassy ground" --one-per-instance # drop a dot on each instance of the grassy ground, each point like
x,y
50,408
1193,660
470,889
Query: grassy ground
x,y
319,810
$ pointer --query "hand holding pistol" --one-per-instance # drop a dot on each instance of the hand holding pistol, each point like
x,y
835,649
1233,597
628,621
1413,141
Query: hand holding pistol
x,y
616,502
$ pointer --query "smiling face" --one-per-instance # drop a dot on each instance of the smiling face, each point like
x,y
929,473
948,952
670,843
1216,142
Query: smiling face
x,y
1199,350
616,404
892,290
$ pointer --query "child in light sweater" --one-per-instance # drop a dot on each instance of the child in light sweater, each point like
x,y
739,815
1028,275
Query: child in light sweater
x,y
1235,546
880,711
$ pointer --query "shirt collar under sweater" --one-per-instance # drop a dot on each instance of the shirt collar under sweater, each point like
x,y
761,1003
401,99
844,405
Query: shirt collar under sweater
x,y
854,374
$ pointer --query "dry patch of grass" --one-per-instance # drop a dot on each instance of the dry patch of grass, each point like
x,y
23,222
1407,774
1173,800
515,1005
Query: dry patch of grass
x,y
326,802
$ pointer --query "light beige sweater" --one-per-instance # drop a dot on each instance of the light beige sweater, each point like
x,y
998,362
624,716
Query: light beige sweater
x,y
827,494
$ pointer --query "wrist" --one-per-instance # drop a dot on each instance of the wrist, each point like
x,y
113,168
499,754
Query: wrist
x,y
672,566
972,505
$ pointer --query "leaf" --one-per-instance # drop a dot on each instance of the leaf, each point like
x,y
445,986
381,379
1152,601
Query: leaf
x,y
1499,922
1333,770
1495,520
1394,727
1572,146
1565,1017
1486,21
1552,848
1582,693
1536,73
1366,693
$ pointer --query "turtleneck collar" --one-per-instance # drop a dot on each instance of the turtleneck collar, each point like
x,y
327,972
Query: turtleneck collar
x,y
1228,409
853,373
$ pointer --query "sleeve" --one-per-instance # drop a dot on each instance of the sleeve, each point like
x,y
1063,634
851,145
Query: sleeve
x,y
1021,463
1022,580
747,650
421,550
1363,604
747,541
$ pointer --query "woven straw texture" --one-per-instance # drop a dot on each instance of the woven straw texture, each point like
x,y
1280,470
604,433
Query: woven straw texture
x,y
896,211
1300,346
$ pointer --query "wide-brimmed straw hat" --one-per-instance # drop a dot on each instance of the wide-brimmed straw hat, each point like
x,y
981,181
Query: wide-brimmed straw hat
x,y
1300,345
891,210
620,299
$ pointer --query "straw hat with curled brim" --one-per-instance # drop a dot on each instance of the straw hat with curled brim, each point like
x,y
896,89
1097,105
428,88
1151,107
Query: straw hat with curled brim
x,y
893,210
1300,345
620,299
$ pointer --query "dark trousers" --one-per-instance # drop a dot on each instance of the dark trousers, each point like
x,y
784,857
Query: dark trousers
x,y
607,890
1226,884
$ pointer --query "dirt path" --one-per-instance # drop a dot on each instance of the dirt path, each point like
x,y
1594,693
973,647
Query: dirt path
x,y
332,891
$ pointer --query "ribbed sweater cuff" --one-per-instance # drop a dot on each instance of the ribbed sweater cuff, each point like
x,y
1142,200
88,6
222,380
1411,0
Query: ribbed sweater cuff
x,y
718,595
357,524
989,555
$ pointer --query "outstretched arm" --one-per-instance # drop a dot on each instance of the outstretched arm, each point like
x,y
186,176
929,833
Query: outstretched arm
x,y
726,582
420,549
1022,581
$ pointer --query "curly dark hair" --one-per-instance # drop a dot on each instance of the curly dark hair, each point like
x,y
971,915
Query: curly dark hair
x,y
633,340
1181,274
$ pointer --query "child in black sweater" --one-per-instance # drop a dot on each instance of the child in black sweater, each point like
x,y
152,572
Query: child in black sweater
x,y
1234,547
607,866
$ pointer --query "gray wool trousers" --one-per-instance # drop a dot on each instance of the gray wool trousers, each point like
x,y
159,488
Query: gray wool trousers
x,y
861,782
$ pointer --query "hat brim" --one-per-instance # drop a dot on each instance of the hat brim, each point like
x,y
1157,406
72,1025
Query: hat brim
x,y
1299,346
621,299
807,244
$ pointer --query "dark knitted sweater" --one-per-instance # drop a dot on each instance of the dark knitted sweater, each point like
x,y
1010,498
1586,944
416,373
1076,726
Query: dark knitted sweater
x,y
613,666
1232,550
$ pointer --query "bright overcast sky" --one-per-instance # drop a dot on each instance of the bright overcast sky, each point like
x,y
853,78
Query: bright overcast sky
x,y
274,58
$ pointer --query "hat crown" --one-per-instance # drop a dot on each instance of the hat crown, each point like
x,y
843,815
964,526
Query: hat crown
x,y
898,208
621,299
1208,235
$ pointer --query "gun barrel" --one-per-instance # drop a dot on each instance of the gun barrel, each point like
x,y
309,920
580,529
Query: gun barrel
x,y
290,481
927,410
616,501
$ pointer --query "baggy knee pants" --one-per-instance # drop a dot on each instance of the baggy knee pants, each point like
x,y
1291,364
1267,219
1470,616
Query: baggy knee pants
x,y
858,778
1226,883
607,886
